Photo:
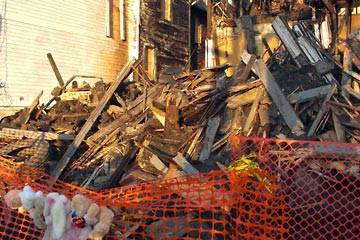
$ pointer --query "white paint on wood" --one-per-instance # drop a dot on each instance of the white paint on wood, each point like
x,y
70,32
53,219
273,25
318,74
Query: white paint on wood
x,y
210,53
158,164
184,165
74,32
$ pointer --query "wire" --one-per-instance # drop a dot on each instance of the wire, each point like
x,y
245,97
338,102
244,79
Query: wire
x,y
3,53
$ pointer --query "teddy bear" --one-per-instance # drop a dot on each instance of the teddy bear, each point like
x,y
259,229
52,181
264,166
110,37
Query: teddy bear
x,y
100,229
27,197
91,216
12,199
36,213
23,200
80,206
57,215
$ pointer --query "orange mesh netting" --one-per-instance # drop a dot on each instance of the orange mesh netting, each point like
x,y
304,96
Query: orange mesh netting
x,y
216,205
320,182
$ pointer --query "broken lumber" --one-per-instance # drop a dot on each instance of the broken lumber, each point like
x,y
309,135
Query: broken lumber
x,y
135,107
32,107
212,127
339,129
90,121
309,95
242,99
287,37
271,86
184,165
245,72
55,69
324,108
158,164
254,109
245,86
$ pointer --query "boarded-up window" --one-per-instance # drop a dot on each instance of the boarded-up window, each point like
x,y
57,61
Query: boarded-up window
x,y
150,61
167,10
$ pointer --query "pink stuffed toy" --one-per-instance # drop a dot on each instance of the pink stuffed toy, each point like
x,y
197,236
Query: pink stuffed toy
x,y
57,214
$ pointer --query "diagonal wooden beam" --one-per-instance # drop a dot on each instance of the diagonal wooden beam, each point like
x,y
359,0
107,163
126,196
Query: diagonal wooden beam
x,y
282,103
55,69
125,72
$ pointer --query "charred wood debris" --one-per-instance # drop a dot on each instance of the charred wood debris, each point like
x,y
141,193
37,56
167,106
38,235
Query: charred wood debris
x,y
136,130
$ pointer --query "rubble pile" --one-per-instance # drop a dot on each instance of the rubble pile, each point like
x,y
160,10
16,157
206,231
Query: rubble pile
x,y
143,130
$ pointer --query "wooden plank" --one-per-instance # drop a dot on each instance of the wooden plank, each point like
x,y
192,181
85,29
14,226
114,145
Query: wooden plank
x,y
245,72
195,140
354,108
353,93
287,37
158,164
184,165
120,101
314,57
267,47
125,72
172,117
212,127
253,110
347,65
309,95
20,134
339,129
245,86
158,113
285,108
243,99
324,108
353,74
55,69
324,66
343,106
34,104
264,114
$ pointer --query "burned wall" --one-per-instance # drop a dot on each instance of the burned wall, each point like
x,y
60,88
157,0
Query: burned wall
x,y
169,38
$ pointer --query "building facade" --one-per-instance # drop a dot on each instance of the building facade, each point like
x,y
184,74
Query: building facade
x,y
83,38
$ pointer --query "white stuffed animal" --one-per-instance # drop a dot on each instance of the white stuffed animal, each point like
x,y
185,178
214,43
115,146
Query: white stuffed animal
x,y
27,197
57,214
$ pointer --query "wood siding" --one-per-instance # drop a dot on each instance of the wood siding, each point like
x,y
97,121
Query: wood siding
x,y
171,39
74,32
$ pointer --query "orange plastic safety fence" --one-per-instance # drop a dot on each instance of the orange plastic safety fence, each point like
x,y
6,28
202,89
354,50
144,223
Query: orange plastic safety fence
x,y
320,182
216,205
